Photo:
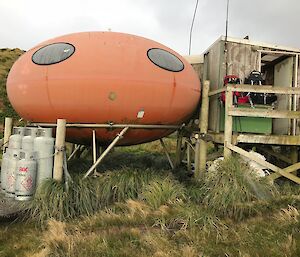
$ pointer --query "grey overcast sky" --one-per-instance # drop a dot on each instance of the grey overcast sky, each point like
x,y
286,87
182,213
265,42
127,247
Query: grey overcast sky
x,y
25,23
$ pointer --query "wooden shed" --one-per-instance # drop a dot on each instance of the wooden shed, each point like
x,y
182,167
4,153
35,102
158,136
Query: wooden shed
x,y
236,127
279,65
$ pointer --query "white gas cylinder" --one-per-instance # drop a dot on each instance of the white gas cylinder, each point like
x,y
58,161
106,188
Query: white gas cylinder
x,y
27,140
43,145
4,165
25,176
11,173
15,140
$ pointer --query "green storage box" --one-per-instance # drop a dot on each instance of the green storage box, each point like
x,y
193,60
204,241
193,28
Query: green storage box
x,y
249,124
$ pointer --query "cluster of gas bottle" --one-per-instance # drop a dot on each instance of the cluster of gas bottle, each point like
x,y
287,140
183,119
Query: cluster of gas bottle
x,y
26,162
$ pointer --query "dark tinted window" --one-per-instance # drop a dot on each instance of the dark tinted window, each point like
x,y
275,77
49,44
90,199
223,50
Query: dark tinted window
x,y
165,60
53,53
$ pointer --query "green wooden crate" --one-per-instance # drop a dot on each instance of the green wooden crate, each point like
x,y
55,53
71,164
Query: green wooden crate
x,y
249,124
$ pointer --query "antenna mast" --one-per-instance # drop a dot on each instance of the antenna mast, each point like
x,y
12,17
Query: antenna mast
x,y
191,30
226,35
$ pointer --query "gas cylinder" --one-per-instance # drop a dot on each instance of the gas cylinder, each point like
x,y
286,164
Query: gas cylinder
x,y
43,145
25,176
11,172
27,141
4,166
15,140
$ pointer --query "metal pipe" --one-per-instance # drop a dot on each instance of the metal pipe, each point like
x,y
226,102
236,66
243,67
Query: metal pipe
x,y
74,152
167,153
132,126
94,149
188,157
113,143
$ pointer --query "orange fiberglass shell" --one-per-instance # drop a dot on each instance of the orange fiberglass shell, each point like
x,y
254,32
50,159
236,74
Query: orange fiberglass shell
x,y
104,78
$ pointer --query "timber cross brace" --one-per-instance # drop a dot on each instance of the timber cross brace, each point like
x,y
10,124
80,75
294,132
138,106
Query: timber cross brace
x,y
286,172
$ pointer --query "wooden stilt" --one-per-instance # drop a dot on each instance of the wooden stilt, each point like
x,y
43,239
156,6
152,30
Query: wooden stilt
x,y
59,149
7,131
203,130
228,122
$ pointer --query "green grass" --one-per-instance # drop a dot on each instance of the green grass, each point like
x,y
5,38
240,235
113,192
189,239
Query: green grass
x,y
135,208
232,189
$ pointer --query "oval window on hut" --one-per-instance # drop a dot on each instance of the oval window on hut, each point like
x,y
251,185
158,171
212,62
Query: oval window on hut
x,y
165,60
53,53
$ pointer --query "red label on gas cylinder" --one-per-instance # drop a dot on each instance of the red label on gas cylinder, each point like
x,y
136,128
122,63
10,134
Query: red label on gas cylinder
x,y
23,169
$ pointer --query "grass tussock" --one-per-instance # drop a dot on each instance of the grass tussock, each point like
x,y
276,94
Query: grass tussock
x,y
162,191
232,188
85,197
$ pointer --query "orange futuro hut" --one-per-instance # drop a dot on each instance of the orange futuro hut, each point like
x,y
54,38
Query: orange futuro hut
x,y
104,77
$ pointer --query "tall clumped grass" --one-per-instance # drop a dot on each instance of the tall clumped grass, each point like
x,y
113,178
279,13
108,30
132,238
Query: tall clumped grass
x,y
162,191
233,189
85,197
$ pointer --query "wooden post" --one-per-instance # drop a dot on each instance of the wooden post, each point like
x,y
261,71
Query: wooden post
x,y
203,130
7,131
228,122
59,150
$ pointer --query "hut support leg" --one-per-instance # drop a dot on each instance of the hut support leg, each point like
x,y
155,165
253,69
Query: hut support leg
x,y
188,158
59,149
95,151
228,123
197,153
74,152
178,148
167,153
203,131
7,132
107,150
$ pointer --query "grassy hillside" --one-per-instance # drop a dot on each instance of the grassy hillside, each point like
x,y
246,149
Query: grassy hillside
x,y
7,58
138,207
